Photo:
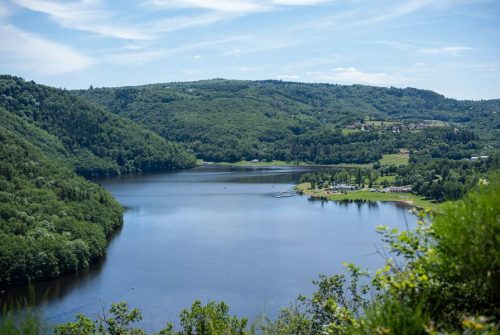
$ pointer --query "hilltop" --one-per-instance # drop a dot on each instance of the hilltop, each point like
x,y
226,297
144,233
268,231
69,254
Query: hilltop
x,y
231,120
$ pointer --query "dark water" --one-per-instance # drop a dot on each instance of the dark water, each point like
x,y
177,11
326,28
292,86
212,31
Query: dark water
x,y
217,233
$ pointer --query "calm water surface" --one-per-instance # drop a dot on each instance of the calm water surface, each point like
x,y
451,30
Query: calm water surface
x,y
217,233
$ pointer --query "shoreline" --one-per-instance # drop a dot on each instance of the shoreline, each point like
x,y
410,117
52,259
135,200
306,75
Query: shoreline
x,y
287,164
364,195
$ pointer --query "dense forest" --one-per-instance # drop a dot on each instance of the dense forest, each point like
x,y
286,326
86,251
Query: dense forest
x,y
51,221
439,278
95,141
228,120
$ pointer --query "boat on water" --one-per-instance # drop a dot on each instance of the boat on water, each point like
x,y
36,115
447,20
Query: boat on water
x,y
285,194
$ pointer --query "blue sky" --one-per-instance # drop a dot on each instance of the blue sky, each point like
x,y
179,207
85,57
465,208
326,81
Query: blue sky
x,y
450,46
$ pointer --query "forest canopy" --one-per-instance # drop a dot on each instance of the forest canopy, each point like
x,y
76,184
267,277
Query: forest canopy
x,y
52,221
98,143
230,120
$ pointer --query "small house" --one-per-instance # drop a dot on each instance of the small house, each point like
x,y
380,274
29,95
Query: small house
x,y
399,189
343,187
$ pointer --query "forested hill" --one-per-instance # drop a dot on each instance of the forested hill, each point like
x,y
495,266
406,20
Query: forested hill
x,y
94,141
52,221
228,120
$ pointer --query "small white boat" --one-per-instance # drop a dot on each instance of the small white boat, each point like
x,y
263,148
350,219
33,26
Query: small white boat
x,y
285,194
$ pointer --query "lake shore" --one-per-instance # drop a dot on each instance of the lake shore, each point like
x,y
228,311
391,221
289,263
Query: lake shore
x,y
291,164
365,195
387,159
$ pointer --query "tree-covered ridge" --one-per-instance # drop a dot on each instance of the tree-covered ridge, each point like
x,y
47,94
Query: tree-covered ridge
x,y
99,142
228,120
52,222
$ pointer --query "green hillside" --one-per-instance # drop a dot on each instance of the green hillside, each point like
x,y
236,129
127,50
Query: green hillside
x,y
51,221
96,142
227,120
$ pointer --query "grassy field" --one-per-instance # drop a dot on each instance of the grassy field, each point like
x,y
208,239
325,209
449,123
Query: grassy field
x,y
394,159
350,131
438,123
350,165
378,124
364,195
389,179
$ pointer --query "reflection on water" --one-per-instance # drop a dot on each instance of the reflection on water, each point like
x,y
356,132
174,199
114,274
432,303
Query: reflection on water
x,y
217,233
53,290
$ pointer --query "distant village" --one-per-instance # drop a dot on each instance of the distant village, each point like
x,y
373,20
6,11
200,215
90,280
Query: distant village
x,y
339,188
389,126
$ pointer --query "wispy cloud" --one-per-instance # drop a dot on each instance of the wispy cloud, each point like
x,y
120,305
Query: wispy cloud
x,y
351,75
22,50
287,77
235,6
452,50
188,21
238,6
92,15
393,44
138,54
4,10
300,2
252,68
135,57
406,8
86,15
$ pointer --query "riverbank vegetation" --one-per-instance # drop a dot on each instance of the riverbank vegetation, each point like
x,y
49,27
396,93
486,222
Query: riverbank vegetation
x,y
424,180
366,195
440,278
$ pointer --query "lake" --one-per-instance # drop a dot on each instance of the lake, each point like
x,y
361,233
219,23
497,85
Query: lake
x,y
218,233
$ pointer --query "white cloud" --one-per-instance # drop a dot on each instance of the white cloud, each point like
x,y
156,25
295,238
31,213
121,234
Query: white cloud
x,y
249,68
191,72
406,8
452,51
235,6
238,6
300,2
184,21
197,57
215,11
23,50
351,75
92,15
287,77
396,45
4,11
84,15
139,57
